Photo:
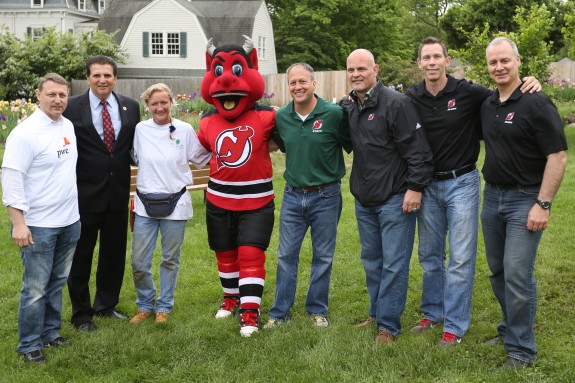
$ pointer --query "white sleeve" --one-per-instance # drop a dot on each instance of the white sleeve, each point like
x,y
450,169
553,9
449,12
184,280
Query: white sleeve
x,y
13,189
197,154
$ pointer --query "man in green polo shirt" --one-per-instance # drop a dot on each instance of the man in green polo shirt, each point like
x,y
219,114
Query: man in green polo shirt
x,y
311,132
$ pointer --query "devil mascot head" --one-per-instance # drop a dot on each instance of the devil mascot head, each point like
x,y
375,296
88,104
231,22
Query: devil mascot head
x,y
232,82
240,196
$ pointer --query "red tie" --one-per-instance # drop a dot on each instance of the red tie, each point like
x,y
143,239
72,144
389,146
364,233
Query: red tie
x,y
109,137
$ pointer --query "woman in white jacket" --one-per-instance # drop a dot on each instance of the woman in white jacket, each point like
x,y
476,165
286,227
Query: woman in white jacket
x,y
163,148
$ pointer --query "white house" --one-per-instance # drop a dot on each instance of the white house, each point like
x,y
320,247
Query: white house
x,y
167,38
32,17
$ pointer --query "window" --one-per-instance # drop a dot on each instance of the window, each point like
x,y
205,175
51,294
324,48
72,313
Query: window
x,y
262,47
165,44
101,6
82,5
36,31
37,3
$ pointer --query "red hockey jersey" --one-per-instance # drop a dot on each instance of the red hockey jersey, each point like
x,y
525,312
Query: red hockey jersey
x,y
240,168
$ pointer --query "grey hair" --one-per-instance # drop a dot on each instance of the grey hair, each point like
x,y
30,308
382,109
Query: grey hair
x,y
499,40
304,66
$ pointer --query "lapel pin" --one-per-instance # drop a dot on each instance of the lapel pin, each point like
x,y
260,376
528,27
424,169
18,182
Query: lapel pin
x,y
124,108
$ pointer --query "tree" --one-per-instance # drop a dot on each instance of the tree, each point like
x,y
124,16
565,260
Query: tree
x,y
423,19
24,61
569,28
532,32
500,15
322,33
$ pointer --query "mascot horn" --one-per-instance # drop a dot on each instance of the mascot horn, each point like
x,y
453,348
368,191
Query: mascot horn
x,y
240,196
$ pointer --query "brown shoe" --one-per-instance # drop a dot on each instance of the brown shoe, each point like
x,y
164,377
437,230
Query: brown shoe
x,y
161,317
365,323
383,337
140,317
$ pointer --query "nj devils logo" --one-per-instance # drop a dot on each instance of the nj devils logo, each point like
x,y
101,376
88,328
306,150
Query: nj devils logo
x,y
234,147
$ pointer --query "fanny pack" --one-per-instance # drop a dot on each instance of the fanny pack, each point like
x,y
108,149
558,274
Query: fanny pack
x,y
160,205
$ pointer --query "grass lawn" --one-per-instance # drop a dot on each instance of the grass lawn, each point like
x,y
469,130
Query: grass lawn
x,y
194,347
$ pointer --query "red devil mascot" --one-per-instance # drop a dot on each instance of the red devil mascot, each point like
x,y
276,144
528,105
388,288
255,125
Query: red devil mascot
x,y
240,196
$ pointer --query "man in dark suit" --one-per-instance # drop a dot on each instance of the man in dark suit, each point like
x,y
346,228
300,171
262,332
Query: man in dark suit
x,y
103,174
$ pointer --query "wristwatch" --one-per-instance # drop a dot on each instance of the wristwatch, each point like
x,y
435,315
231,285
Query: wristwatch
x,y
544,204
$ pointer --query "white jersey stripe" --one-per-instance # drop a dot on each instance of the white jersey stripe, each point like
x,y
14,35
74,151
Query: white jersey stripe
x,y
251,281
234,274
241,183
242,196
251,299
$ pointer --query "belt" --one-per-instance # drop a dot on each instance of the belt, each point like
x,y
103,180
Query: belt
x,y
526,188
318,187
448,175
503,187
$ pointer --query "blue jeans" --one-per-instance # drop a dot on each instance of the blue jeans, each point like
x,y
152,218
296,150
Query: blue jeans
x,y
386,235
510,249
46,267
319,210
143,244
449,209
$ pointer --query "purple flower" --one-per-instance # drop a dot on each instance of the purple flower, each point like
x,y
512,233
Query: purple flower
x,y
2,117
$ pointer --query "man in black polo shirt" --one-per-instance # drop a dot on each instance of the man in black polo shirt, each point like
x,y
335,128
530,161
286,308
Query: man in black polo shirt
x,y
449,110
524,165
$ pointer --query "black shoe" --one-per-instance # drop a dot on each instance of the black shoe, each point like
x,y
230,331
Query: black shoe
x,y
111,314
86,327
34,357
515,364
59,341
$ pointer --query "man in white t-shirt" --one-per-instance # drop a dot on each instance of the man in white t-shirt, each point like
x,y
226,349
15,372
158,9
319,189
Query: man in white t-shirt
x,y
39,190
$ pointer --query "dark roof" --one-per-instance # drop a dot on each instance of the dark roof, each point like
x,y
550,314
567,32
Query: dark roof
x,y
225,21
119,14
91,5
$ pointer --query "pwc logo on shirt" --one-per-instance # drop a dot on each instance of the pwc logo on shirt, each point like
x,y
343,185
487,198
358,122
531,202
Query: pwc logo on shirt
x,y
509,118
234,147
61,152
451,105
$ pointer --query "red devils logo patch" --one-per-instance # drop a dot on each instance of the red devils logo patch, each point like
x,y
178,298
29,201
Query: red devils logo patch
x,y
317,124
451,103
371,116
510,116
234,147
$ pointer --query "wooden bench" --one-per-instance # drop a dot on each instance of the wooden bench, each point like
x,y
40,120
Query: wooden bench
x,y
200,176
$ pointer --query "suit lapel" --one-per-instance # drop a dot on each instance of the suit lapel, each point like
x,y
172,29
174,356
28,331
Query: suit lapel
x,y
122,108
86,116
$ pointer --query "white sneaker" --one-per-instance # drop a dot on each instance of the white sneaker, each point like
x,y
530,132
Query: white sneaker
x,y
249,322
319,321
228,307
247,331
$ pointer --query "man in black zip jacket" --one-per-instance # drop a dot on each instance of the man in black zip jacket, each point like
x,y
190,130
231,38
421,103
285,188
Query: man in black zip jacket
x,y
392,165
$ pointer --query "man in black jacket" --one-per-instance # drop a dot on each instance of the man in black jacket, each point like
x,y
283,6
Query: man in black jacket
x,y
103,174
392,164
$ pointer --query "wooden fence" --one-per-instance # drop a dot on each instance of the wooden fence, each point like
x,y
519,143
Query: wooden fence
x,y
563,69
330,85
